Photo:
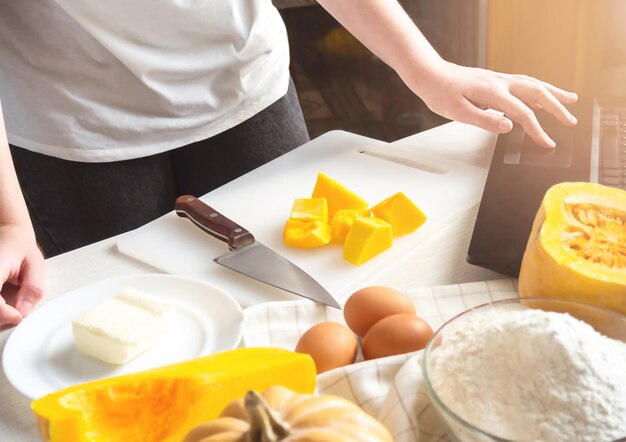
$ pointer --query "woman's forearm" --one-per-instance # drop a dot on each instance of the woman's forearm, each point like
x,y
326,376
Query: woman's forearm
x,y
387,31
456,92
12,206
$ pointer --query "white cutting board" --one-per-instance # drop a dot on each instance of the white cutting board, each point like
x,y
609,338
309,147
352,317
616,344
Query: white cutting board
x,y
261,202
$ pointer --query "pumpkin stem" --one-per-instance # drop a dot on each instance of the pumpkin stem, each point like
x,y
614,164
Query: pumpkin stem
x,y
265,425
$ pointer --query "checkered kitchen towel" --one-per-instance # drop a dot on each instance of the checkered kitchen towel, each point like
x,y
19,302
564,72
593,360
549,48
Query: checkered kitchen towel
x,y
390,389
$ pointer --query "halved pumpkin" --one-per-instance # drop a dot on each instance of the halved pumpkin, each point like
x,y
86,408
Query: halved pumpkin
x,y
577,246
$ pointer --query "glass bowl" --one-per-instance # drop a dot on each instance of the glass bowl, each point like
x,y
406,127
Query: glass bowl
x,y
605,321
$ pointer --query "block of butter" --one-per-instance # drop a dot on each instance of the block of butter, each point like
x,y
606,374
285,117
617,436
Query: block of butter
x,y
123,327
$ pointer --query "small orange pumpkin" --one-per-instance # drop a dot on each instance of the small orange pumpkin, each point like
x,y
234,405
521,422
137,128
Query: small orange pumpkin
x,y
280,414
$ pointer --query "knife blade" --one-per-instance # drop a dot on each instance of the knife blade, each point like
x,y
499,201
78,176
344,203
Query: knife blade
x,y
248,256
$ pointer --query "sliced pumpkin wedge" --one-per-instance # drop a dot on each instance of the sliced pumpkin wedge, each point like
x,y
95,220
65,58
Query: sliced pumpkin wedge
x,y
163,404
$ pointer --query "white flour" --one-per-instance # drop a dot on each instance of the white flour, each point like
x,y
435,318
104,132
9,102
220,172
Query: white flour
x,y
530,375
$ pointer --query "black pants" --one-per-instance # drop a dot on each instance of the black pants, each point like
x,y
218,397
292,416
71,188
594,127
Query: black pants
x,y
73,204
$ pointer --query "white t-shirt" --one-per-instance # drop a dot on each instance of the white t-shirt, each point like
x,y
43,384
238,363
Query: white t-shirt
x,y
96,81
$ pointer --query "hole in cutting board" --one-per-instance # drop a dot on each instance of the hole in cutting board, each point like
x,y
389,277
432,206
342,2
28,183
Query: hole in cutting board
x,y
399,156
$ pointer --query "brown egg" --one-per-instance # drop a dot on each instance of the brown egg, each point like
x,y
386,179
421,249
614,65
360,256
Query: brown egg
x,y
330,344
369,305
396,335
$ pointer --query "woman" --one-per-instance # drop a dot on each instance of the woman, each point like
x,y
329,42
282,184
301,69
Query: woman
x,y
116,106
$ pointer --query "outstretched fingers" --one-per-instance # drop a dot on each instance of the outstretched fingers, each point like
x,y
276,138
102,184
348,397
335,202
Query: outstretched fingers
x,y
534,92
562,95
518,111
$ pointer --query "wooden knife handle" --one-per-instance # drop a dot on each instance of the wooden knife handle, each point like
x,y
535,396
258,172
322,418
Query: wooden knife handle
x,y
212,222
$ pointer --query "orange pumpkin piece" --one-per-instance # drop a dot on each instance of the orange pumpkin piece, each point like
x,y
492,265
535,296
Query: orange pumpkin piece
x,y
306,234
337,195
343,220
310,209
402,213
280,414
366,238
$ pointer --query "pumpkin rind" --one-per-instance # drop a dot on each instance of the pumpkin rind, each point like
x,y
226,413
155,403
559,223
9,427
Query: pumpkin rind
x,y
577,246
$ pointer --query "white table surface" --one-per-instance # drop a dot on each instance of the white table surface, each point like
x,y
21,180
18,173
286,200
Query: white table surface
x,y
439,261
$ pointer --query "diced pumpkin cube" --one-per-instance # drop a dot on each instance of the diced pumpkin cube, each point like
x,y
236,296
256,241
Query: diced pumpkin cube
x,y
343,220
310,209
366,238
337,195
306,234
402,213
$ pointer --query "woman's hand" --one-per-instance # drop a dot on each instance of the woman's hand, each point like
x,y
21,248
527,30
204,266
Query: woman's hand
x,y
21,265
465,94
21,261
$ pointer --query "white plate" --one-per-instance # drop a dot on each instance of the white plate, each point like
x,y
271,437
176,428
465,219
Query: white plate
x,y
40,356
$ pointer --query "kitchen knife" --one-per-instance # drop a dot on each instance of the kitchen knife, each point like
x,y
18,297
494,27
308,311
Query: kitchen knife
x,y
250,257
